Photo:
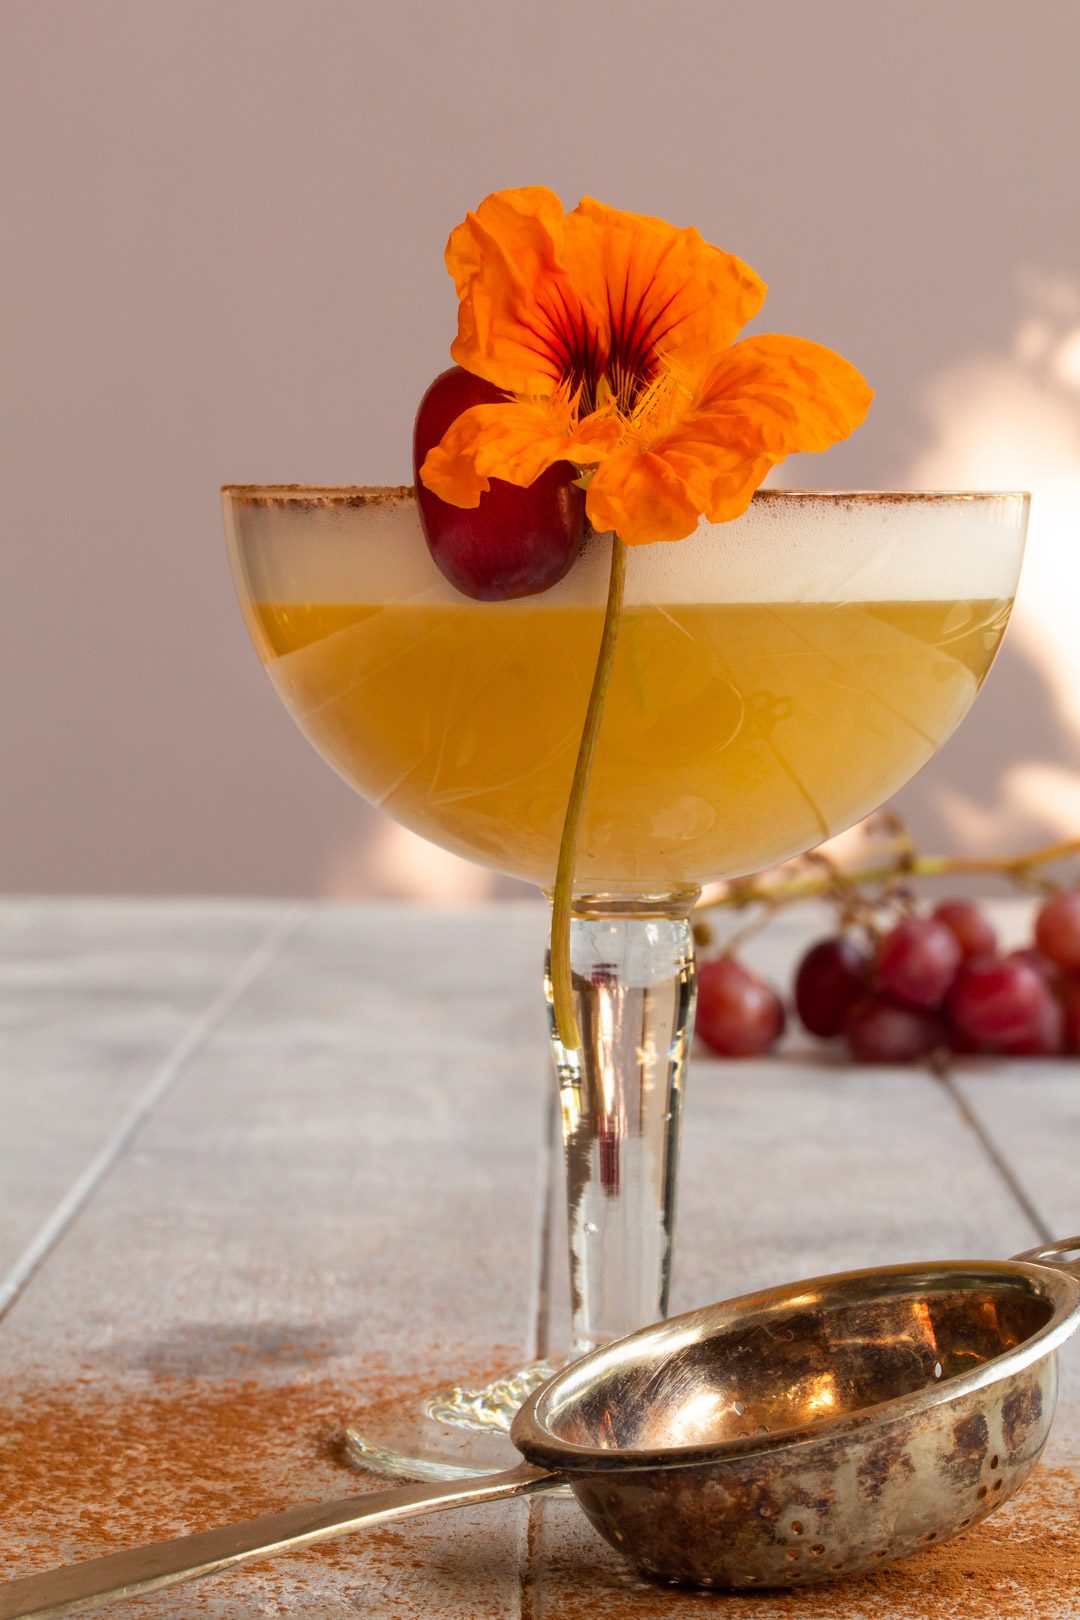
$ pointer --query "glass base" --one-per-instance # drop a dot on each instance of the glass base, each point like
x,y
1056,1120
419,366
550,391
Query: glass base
x,y
455,1433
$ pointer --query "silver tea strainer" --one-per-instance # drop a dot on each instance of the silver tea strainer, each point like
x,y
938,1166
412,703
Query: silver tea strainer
x,y
788,1436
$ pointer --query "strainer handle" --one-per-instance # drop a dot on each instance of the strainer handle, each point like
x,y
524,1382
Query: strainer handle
x,y
1054,1254
98,1581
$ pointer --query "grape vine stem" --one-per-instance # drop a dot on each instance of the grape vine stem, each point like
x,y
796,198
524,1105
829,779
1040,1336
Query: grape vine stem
x,y
904,864
562,985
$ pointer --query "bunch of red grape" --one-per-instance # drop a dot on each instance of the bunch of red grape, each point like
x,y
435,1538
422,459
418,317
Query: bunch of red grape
x,y
934,983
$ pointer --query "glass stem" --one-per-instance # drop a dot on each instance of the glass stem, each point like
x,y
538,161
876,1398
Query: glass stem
x,y
632,966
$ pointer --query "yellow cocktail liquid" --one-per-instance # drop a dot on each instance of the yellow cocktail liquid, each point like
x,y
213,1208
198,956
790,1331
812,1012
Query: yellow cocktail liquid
x,y
733,735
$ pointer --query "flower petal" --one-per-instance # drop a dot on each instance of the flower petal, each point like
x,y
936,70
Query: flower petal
x,y
600,307
661,292
521,322
515,441
787,394
718,469
638,494
767,397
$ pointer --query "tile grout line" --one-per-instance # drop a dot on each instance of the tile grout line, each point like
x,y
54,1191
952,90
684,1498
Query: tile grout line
x,y
168,1072
997,1159
528,1608
541,1330
540,1303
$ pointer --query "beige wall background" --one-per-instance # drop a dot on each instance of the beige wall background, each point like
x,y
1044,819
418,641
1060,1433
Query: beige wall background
x,y
224,222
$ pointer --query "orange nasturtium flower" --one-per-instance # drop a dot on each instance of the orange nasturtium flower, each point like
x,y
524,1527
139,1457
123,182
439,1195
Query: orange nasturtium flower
x,y
612,335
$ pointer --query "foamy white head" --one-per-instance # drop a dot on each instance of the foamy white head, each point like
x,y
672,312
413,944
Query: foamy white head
x,y
366,545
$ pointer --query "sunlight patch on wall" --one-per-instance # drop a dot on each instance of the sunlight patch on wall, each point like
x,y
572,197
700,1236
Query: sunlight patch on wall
x,y
1030,789
390,862
1012,421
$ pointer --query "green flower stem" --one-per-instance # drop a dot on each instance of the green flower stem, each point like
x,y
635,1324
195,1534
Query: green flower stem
x,y
562,904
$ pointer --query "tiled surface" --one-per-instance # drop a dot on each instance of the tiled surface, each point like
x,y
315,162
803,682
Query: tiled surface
x,y
265,1170
102,1004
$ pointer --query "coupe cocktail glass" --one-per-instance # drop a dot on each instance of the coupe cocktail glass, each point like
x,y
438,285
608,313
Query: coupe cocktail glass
x,y
776,679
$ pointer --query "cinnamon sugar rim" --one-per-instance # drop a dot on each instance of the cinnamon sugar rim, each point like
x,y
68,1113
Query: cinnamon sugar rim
x,y
394,494
322,494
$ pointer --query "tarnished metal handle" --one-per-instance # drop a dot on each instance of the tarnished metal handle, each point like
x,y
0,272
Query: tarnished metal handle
x,y
79,1587
1064,1254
